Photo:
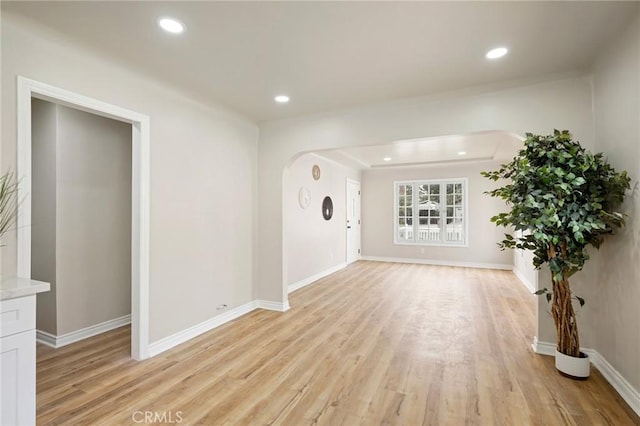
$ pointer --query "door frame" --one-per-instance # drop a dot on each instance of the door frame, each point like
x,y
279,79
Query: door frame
x,y
346,210
140,139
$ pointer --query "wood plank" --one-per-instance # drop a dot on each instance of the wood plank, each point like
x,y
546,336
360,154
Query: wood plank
x,y
375,343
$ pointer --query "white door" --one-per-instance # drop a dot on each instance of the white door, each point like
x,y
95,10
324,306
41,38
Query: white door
x,y
353,220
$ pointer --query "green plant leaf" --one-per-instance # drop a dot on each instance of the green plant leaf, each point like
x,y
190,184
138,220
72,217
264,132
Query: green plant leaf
x,y
8,202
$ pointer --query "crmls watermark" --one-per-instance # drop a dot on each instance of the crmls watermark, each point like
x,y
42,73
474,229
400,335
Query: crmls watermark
x,y
150,417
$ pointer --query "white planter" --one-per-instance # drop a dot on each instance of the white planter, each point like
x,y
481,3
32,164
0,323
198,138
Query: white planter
x,y
575,368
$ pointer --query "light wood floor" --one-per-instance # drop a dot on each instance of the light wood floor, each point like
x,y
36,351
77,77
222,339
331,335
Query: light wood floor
x,y
376,343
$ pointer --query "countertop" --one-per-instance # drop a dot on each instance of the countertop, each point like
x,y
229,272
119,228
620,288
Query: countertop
x,y
12,287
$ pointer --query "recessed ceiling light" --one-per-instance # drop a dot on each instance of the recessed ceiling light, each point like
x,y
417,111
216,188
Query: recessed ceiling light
x,y
496,53
462,152
282,99
171,25
387,158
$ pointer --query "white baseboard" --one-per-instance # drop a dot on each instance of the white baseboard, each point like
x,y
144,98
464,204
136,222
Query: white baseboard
x,y
75,336
619,383
615,379
182,336
529,285
46,338
504,266
309,280
273,306
543,348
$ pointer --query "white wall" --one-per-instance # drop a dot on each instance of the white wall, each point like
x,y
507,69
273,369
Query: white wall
x,y
523,268
44,130
538,108
617,134
378,216
313,244
93,220
202,183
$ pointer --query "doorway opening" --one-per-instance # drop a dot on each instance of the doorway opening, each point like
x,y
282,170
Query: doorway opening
x,y
28,89
310,245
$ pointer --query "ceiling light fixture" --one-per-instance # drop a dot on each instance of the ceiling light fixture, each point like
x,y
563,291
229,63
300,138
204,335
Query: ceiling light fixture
x,y
171,25
496,53
462,152
387,158
281,99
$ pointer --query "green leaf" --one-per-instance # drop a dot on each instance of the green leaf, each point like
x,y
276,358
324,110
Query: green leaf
x,y
580,300
8,202
548,297
561,194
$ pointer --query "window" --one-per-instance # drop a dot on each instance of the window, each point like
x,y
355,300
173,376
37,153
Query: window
x,y
431,212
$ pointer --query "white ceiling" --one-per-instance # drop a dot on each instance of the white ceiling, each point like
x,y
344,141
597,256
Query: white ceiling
x,y
482,146
330,55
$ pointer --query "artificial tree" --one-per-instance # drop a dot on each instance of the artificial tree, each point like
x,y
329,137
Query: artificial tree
x,y
562,199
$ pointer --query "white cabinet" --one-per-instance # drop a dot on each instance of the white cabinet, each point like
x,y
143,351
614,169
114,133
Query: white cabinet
x,y
18,351
18,360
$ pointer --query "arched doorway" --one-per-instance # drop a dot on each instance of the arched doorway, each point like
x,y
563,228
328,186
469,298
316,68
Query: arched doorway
x,y
312,249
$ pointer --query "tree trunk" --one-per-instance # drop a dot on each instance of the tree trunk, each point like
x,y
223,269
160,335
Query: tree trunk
x,y
564,318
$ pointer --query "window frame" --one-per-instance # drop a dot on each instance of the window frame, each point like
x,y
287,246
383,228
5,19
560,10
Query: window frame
x,y
416,218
